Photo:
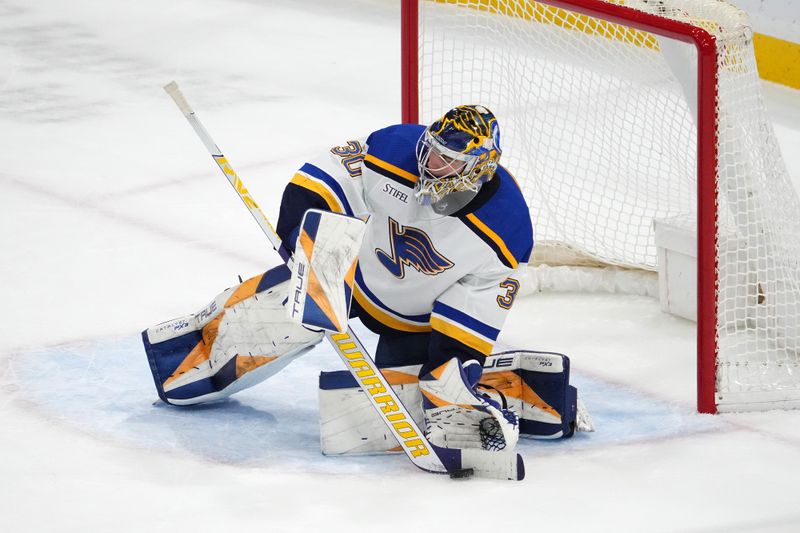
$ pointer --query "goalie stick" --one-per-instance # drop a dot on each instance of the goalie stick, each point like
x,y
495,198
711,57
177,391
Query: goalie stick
x,y
422,453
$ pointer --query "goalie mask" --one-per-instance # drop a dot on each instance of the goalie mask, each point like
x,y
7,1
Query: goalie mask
x,y
456,155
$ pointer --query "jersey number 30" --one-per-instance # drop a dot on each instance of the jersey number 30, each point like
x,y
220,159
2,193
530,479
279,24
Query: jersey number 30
x,y
351,154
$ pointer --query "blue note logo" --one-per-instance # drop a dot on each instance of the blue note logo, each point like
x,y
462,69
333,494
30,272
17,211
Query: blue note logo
x,y
411,247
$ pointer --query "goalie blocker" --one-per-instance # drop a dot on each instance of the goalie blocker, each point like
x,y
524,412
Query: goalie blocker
x,y
535,385
324,267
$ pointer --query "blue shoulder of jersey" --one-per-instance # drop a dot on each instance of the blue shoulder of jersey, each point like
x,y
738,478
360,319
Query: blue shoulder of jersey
x,y
504,222
391,152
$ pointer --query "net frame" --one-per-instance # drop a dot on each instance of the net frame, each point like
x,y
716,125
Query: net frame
x,y
708,283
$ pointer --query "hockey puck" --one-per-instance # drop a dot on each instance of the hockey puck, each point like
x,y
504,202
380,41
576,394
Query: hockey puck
x,y
461,473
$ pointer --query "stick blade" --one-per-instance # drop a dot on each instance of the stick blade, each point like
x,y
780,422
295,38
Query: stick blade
x,y
493,465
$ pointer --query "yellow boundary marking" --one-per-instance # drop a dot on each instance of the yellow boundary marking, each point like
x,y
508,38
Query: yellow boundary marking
x,y
778,60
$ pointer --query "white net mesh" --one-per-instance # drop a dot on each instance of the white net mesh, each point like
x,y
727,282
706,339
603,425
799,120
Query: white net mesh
x,y
598,124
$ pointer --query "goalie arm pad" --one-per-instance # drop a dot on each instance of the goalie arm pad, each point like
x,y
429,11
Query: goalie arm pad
x,y
240,339
294,204
330,182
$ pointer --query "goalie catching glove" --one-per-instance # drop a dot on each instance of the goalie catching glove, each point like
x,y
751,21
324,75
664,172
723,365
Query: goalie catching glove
x,y
458,416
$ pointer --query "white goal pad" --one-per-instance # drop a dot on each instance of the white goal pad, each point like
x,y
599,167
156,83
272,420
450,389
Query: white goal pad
x,y
535,385
238,340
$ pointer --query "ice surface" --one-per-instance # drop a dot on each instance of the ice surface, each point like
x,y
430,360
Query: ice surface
x,y
113,218
104,388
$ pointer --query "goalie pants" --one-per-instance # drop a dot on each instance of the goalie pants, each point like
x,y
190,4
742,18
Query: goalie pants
x,y
401,348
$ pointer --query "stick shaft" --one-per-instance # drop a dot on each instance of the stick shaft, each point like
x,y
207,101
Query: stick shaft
x,y
349,348
226,168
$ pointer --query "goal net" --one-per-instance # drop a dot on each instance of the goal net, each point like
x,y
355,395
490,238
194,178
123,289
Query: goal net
x,y
618,113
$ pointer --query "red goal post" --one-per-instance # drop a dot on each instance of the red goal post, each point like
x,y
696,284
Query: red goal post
x,y
707,168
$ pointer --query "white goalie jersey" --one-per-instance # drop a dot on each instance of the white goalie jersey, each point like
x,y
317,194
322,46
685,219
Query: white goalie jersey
x,y
419,271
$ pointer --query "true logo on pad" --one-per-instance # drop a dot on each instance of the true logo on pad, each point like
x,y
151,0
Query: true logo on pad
x,y
324,268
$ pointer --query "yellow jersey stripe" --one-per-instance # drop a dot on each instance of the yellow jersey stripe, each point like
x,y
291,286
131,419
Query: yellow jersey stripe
x,y
391,168
320,189
463,336
495,239
383,317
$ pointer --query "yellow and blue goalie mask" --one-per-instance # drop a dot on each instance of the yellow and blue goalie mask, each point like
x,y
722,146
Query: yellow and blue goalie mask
x,y
456,155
